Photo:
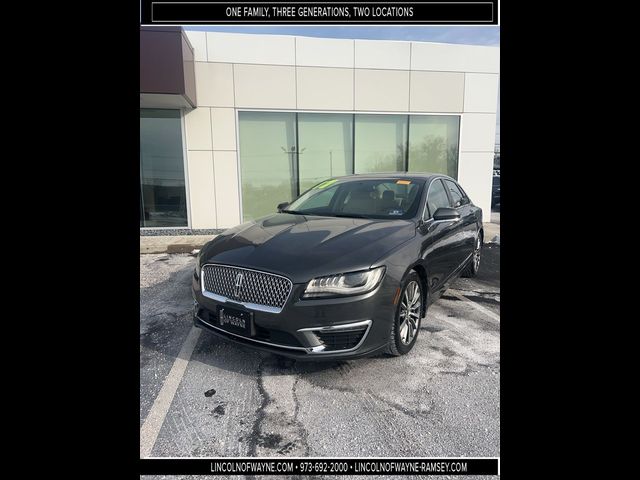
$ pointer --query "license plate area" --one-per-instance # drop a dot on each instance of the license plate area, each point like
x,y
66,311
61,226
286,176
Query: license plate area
x,y
235,321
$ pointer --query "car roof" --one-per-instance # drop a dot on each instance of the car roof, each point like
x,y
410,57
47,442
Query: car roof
x,y
416,177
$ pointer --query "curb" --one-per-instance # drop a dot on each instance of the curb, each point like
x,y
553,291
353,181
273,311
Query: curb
x,y
171,248
181,247
177,244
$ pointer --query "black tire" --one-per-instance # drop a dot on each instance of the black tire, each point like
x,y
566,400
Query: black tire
x,y
397,345
471,270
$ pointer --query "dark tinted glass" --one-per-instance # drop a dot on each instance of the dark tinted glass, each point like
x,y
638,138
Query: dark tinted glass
x,y
457,197
437,197
163,199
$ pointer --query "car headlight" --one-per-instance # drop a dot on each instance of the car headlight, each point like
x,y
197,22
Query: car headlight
x,y
344,284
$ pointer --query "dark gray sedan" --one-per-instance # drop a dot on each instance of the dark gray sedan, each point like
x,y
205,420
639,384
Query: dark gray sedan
x,y
346,270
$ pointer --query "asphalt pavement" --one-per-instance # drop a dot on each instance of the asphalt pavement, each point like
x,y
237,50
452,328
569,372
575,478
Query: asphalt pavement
x,y
203,396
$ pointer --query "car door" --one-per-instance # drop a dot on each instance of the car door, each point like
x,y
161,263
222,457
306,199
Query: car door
x,y
465,231
438,258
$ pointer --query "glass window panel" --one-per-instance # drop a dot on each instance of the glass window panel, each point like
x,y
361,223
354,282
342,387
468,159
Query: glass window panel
x,y
379,198
163,201
267,160
433,144
457,197
319,199
380,143
436,198
326,146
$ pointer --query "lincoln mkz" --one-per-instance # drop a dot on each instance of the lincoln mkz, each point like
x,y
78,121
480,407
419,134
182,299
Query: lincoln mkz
x,y
346,270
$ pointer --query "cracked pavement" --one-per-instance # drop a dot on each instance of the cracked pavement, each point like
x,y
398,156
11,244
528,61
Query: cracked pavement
x,y
442,399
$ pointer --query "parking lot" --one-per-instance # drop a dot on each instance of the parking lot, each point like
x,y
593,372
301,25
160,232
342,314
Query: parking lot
x,y
203,396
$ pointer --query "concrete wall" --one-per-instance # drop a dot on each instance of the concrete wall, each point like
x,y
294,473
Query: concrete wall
x,y
238,71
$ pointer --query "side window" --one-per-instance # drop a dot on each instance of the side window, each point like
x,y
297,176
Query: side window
x,y
436,198
457,197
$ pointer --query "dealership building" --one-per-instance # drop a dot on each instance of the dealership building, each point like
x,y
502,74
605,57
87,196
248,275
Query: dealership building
x,y
233,124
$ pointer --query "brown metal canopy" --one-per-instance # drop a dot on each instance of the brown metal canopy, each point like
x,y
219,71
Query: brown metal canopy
x,y
167,70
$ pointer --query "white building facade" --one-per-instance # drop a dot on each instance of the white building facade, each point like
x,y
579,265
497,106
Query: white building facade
x,y
274,115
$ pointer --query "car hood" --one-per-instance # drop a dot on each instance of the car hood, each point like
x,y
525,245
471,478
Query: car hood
x,y
302,247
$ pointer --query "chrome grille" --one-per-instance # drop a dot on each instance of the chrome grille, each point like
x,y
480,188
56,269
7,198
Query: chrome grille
x,y
258,288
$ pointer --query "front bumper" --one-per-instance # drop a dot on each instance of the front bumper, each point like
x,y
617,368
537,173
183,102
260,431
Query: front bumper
x,y
302,328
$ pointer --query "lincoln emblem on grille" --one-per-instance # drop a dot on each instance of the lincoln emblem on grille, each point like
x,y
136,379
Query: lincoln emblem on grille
x,y
238,285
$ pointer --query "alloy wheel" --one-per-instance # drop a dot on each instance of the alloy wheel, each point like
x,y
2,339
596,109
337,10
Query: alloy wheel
x,y
476,255
410,310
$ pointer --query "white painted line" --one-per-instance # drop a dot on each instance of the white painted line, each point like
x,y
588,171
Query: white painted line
x,y
152,424
475,305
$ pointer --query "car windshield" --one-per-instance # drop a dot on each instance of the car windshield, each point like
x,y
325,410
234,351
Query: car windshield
x,y
382,198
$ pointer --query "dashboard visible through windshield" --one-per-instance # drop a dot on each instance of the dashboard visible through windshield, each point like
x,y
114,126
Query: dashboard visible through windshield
x,y
384,198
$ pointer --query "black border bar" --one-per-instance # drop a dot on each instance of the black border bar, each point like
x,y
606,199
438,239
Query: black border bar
x,y
319,466
474,12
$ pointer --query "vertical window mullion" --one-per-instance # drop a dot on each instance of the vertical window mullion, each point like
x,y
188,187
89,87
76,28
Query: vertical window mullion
x,y
296,172
406,151
353,143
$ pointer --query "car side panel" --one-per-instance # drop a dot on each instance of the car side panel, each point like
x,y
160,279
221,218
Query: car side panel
x,y
466,232
437,256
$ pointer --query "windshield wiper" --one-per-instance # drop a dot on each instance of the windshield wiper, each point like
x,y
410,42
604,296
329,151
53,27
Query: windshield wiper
x,y
297,212
320,214
349,215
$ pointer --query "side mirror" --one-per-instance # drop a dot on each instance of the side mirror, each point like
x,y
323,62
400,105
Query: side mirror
x,y
446,214
282,206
